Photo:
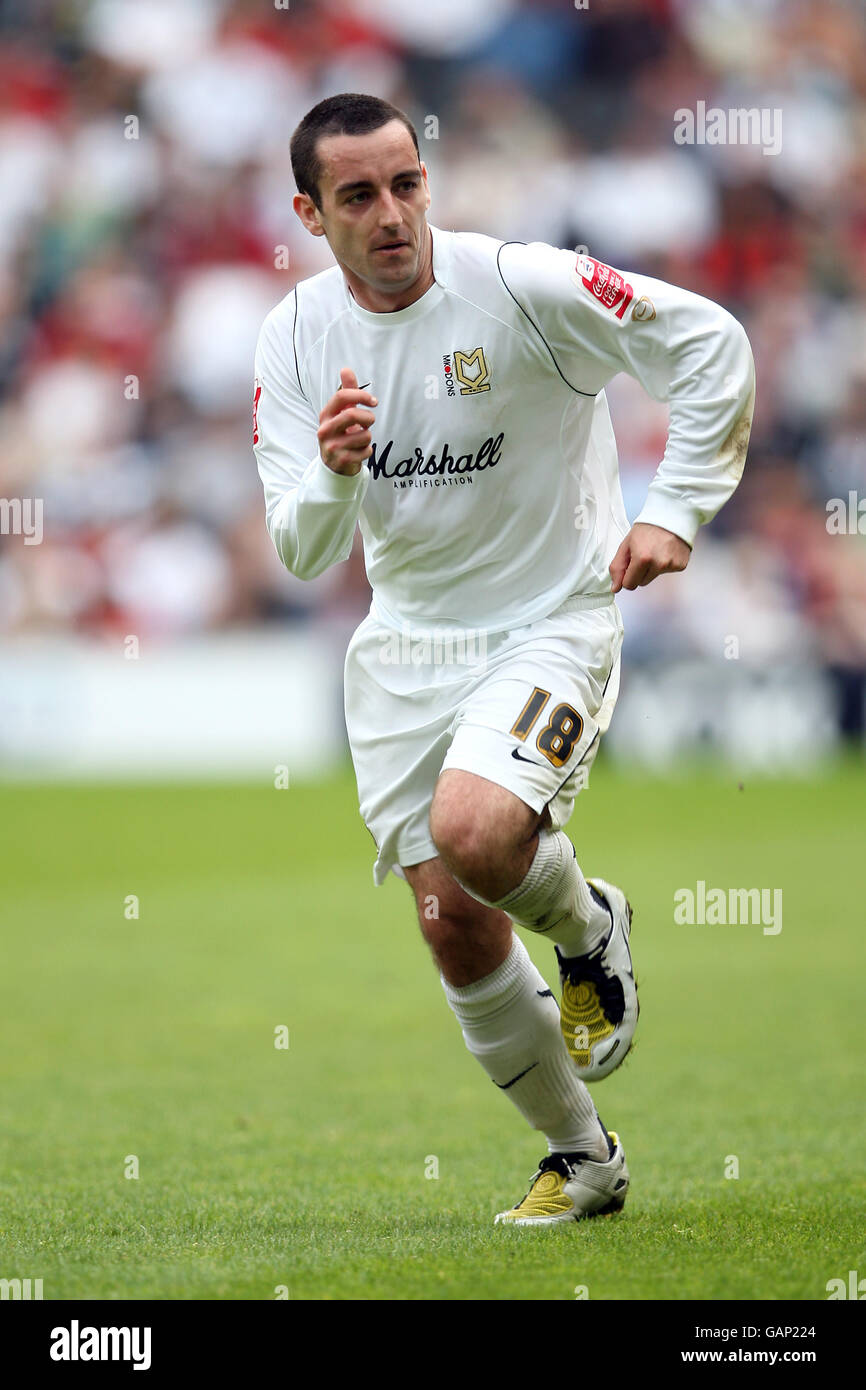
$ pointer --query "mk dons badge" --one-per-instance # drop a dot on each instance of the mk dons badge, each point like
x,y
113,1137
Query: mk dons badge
x,y
472,372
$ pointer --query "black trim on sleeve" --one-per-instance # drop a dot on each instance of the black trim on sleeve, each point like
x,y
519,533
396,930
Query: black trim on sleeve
x,y
295,350
590,394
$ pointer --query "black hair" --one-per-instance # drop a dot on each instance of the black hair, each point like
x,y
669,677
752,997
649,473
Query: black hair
x,y
348,113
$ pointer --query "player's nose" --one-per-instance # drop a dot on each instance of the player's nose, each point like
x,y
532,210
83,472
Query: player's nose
x,y
390,212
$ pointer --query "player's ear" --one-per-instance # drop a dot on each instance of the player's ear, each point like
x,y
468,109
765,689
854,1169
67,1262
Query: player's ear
x,y
308,213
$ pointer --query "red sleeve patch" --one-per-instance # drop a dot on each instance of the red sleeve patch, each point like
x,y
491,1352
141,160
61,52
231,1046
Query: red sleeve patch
x,y
605,284
256,411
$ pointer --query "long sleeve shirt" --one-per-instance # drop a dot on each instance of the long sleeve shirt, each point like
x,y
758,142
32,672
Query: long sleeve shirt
x,y
492,492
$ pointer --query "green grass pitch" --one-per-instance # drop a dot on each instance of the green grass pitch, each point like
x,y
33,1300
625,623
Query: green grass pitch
x,y
304,1168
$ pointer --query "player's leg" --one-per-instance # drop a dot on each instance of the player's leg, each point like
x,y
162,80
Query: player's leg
x,y
487,839
520,745
401,721
467,939
508,1015
492,843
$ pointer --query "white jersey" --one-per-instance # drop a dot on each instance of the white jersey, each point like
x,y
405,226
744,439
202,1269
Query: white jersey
x,y
492,492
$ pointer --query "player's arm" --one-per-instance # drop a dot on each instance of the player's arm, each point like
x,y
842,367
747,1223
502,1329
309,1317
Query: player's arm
x,y
311,466
683,349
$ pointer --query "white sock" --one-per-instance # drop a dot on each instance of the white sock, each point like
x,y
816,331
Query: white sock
x,y
510,1022
555,899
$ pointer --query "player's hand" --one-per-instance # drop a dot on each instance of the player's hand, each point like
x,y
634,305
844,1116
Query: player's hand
x,y
647,552
344,426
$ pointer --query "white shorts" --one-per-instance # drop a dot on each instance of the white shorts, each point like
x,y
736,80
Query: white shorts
x,y
524,708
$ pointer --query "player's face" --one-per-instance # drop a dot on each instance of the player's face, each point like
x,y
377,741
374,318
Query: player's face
x,y
374,197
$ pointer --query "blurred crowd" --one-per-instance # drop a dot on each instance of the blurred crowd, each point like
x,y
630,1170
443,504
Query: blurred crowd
x,y
146,228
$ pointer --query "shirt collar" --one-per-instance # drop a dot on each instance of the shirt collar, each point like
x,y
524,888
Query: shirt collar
x,y
429,299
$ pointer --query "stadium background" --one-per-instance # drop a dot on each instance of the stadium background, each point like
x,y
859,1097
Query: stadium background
x,y
134,276
135,273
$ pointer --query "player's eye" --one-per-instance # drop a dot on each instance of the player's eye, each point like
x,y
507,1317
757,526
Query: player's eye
x,y
405,183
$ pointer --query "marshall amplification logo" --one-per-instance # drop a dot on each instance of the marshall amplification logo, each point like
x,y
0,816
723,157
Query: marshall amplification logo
x,y
470,369
434,470
605,284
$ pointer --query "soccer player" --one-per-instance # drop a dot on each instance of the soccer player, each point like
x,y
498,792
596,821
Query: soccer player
x,y
445,391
